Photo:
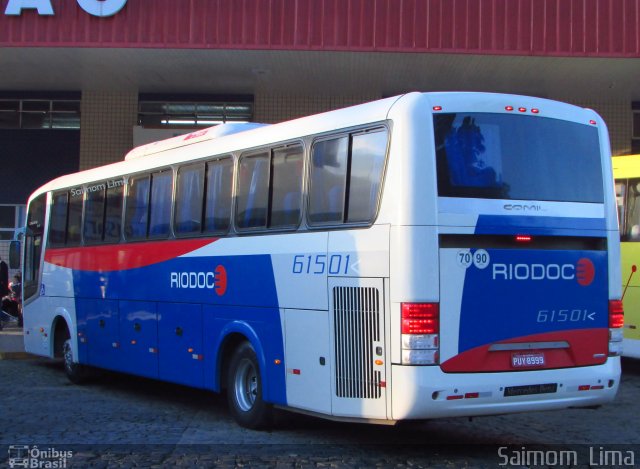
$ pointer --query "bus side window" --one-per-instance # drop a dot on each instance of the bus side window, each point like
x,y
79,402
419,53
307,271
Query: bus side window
x,y
113,215
160,207
189,199
633,210
94,216
621,192
286,188
58,223
367,163
253,191
137,208
74,220
219,180
328,180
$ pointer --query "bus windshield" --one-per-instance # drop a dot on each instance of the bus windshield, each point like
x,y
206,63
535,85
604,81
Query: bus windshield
x,y
505,156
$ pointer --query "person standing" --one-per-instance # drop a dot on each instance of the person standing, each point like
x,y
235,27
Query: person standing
x,y
4,279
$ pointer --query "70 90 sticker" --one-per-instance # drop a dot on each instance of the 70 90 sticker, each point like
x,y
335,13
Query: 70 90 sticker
x,y
480,258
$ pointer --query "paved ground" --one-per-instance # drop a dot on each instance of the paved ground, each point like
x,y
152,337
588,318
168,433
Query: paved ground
x,y
11,342
121,421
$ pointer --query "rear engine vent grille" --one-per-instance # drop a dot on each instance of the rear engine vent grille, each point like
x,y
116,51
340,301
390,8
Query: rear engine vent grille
x,y
357,327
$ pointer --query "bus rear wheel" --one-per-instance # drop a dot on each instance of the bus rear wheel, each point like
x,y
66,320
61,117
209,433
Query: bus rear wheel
x,y
244,390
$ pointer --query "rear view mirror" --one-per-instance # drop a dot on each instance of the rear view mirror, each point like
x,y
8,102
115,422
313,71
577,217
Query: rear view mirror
x,y
14,255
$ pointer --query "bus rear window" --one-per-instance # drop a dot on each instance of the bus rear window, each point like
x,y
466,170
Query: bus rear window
x,y
504,156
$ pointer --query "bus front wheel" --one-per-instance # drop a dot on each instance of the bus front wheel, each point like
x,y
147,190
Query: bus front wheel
x,y
244,390
74,371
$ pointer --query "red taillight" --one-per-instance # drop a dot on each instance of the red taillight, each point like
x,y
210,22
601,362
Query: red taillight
x,y
523,238
420,318
616,314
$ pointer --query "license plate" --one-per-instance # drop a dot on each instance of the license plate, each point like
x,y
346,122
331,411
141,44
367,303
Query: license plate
x,y
530,389
527,360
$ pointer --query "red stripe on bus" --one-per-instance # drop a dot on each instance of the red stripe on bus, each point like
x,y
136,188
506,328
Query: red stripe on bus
x,y
122,256
586,347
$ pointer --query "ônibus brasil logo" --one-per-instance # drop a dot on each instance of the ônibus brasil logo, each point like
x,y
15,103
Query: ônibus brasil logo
x,y
582,271
215,280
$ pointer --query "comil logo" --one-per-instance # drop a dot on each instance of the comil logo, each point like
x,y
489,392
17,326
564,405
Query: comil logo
x,y
216,280
583,271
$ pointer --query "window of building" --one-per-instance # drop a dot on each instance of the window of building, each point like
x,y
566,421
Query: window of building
x,y
193,111
11,217
39,114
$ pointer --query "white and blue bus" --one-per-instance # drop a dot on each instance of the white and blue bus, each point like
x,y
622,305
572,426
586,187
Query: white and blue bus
x,y
422,256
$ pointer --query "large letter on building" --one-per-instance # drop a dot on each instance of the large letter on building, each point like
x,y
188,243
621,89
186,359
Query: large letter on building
x,y
102,7
15,7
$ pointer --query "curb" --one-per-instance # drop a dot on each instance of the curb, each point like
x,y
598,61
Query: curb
x,y
16,356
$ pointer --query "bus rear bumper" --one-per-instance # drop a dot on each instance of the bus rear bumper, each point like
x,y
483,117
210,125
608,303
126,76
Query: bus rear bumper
x,y
424,392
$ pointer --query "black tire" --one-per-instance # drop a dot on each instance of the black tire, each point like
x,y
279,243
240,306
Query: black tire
x,y
244,390
76,372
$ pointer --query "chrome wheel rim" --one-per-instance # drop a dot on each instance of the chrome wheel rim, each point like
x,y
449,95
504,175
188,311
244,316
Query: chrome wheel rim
x,y
246,385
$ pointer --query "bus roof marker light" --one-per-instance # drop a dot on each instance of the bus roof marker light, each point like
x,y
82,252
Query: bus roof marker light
x,y
508,108
522,109
437,108
592,122
535,111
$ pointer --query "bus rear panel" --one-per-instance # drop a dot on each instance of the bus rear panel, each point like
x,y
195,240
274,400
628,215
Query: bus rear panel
x,y
525,310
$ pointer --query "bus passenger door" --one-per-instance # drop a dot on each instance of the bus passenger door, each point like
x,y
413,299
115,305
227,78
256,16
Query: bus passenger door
x,y
308,360
356,319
